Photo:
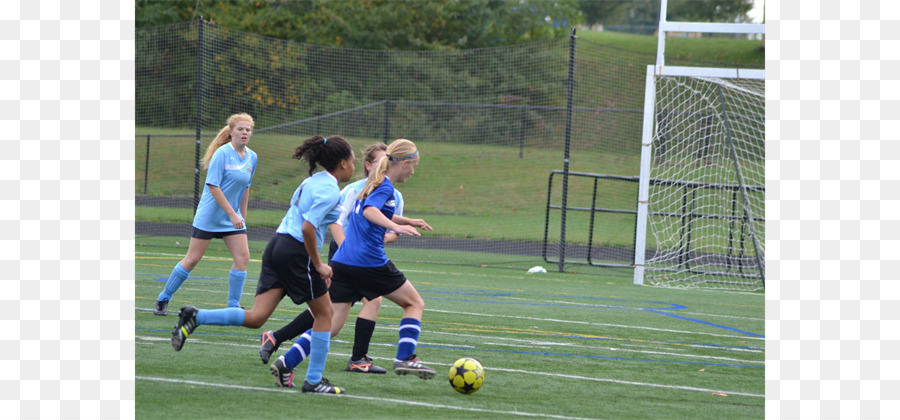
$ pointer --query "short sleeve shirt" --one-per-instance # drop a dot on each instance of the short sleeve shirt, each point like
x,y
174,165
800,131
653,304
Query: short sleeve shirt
x,y
317,201
232,174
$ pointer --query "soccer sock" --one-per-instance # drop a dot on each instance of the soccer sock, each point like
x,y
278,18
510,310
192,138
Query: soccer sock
x,y
317,355
236,281
299,351
297,326
177,277
409,337
364,330
226,316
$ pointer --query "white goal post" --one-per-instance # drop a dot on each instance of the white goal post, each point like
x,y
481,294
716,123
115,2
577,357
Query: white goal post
x,y
700,210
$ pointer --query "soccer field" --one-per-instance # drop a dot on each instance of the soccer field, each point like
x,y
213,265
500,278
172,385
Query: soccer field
x,y
587,344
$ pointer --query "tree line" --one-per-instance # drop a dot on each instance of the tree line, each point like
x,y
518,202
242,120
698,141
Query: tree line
x,y
428,25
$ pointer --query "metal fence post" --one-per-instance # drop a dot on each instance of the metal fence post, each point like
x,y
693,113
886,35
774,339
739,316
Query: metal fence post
x,y
571,87
199,115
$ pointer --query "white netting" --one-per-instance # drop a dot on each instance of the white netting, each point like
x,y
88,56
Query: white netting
x,y
706,198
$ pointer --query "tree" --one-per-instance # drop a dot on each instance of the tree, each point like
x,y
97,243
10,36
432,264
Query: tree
x,y
378,24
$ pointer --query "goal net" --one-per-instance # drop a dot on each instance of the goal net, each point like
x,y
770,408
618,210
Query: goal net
x,y
706,194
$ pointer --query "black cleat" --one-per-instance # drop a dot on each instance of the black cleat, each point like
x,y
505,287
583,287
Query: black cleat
x,y
161,306
323,387
267,346
411,366
364,365
187,323
284,377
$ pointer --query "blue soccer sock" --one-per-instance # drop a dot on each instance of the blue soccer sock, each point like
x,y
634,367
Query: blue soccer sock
x,y
178,276
409,337
317,355
299,351
226,316
236,281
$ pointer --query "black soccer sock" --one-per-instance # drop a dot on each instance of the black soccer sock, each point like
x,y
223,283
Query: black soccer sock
x,y
292,330
364,330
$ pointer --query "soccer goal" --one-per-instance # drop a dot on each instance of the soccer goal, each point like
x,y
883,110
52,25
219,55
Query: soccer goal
x,y
701,193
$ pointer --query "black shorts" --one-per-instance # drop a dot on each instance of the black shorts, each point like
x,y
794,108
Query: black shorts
x,y
332,249
202,234
350,283
286,265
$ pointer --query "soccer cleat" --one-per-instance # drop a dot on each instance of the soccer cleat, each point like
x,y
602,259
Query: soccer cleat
x,y
284,377
161,306
323,387
267,346
411,366
187,323
364,365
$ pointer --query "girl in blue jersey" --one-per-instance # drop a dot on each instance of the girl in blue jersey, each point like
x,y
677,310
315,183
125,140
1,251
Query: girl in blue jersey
x,y
291,264
365,321
361,267
222,209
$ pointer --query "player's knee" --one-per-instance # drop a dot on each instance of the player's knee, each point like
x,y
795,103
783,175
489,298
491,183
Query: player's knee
x,y
241,261
189,262
251,320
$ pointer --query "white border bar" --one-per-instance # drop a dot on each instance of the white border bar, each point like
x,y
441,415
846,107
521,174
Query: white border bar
x,y
712,72
719,28
640,234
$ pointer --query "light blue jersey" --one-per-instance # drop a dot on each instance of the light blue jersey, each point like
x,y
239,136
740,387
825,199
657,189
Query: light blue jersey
x,y
364,241
232,174
319,204
348,198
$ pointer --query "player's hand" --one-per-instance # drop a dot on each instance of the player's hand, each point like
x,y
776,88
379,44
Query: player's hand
x,y
325,272
419,223
407,230
237,221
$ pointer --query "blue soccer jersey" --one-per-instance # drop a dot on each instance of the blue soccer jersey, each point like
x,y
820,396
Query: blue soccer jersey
x,y
319,204
348,198
232,174
364,241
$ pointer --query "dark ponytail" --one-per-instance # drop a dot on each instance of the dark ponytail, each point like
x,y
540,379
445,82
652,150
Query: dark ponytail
x,y
328,152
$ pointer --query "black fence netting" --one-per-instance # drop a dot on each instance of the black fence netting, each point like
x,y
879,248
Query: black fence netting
x,y
491,124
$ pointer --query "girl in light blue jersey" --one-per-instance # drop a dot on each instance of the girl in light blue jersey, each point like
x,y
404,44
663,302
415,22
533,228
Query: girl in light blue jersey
x,y
291,264
222,210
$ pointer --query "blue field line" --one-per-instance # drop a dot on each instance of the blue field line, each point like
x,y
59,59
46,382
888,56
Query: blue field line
x,y
533,304
705,323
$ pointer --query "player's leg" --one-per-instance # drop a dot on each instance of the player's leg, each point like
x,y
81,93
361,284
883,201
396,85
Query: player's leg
x,y
321,337
365,327
240,252
190,317
196,248
405,362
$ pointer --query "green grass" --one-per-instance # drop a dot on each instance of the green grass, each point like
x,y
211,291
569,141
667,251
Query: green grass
x,y
584,345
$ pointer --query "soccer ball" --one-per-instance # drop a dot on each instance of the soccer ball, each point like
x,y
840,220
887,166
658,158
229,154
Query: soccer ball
x,y
466,375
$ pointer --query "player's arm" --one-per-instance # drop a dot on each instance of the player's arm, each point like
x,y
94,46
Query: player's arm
x,y
245,200
309,242
375,216
419,223
219,196
337,232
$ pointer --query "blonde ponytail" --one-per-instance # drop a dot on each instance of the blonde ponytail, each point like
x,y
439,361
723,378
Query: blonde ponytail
x,y
224,136
398,151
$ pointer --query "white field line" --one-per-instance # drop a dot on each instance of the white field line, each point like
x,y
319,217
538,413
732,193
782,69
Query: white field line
x,y
550,374
361,397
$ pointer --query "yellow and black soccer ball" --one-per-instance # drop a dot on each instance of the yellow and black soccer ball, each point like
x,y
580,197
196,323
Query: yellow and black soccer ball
x,y
466,375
